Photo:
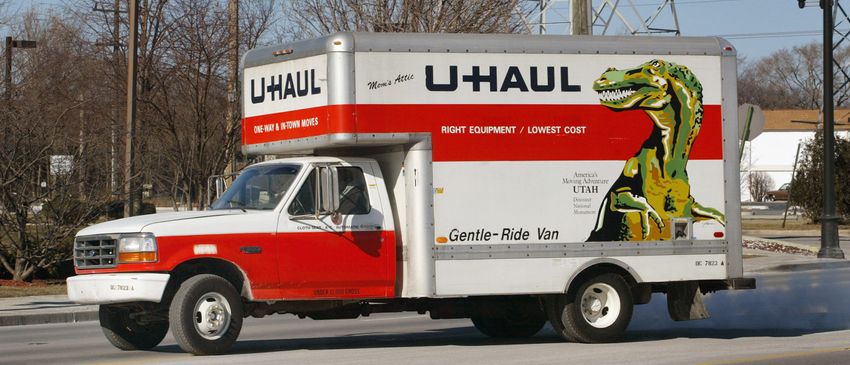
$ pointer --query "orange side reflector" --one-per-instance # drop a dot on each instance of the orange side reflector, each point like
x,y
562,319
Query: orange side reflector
x,y
442,240
130,257
718,234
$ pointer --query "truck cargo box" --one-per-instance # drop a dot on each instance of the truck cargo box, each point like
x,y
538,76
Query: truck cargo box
x,y
538,143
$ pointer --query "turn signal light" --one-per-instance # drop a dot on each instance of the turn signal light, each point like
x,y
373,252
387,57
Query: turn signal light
x,y
136,257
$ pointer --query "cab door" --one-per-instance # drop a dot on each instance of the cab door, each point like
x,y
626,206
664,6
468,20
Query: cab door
x,y
346,253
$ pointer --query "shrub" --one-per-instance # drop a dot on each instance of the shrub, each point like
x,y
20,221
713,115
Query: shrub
x,y
807,186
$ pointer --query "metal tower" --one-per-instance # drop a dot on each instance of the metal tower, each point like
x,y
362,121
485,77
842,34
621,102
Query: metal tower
x,y
841,38
607,17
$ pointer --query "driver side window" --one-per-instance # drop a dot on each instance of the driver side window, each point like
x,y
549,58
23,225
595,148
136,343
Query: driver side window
x,y
353,195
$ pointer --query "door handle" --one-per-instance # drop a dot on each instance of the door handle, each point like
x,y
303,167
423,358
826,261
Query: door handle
x,y
250,249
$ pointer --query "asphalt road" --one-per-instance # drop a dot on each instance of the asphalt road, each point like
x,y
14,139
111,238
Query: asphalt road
x,y
793,318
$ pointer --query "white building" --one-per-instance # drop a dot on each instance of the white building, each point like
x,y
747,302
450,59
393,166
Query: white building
x,y
773,151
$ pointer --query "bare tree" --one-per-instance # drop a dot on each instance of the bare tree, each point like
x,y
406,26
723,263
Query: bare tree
x,y
186,104
311,18
50,180
759,183
791,78
66,102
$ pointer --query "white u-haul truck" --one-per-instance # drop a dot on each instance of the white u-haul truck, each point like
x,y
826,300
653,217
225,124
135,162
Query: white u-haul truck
x,y
509,179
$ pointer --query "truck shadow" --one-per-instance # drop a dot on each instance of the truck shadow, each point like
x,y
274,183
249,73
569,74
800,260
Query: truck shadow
x,y
470,337
453,336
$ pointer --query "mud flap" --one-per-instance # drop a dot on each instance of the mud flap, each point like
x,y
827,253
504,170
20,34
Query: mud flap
x,y
684,301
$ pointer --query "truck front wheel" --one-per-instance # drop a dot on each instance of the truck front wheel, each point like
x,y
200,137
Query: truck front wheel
x,y
598,311
206,315
126,329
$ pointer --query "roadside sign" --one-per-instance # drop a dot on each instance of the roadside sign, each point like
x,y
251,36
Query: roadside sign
x,y
756,124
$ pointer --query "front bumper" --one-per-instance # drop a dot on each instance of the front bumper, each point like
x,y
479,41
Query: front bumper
x,y
117,288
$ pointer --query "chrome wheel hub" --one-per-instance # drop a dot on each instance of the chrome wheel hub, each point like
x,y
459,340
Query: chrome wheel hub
x,y
212,315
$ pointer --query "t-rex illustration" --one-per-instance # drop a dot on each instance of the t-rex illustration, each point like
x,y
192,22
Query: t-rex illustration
x,y
653,187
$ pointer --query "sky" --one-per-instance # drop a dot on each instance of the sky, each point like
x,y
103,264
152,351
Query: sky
x,y
756,27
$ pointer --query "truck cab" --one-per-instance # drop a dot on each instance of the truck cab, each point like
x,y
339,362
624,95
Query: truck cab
x,y
293,228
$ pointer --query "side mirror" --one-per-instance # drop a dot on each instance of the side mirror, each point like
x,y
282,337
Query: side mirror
x,y
329,190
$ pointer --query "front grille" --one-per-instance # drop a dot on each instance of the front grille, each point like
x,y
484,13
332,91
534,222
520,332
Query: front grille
x,y
95,252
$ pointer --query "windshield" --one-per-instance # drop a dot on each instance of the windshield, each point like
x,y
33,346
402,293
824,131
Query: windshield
x,y
259,188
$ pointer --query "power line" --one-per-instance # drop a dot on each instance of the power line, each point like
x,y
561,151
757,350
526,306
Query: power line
x,y
798,33
656,4
690,2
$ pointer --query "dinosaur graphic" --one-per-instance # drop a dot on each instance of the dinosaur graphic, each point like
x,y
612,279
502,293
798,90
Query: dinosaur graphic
x,y
653,187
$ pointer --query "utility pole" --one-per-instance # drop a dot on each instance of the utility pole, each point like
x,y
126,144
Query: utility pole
x,y
580,17
829,220
113,127
82,150
232,80
130,133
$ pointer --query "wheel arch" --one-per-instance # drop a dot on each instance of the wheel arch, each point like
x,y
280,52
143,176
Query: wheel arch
x,y
210,265
602,266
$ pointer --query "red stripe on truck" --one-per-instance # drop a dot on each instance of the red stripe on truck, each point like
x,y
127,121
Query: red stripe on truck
x,y
517,132
298,124
291,265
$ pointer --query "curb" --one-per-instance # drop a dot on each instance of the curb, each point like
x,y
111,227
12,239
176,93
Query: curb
x,y
790,232
45,318
805,266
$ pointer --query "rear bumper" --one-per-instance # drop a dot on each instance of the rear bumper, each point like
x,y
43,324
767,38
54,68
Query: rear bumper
x,y
117,288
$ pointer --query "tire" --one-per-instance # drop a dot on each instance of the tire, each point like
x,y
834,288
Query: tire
x,y
598,311
508,327
206,315
125,332
769,198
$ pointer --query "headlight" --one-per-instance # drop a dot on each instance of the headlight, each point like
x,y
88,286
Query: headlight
x,y
136,248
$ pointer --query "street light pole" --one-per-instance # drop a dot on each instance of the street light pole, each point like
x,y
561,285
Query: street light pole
x,y
829,220
11,44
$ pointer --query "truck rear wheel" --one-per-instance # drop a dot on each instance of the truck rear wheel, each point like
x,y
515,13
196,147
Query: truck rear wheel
x,y
206,315
124,330
598,311
509,327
